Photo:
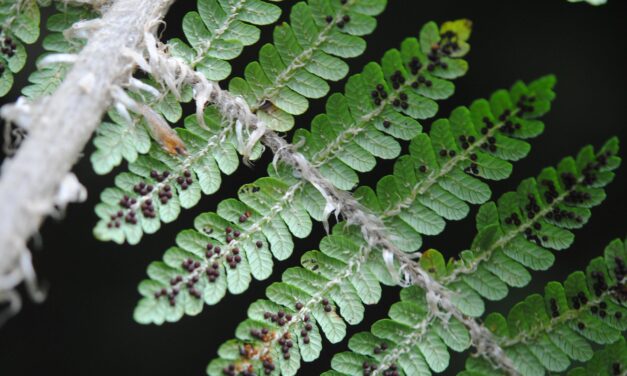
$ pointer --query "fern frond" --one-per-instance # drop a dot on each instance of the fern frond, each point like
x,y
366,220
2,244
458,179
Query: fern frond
x,y
228,138
409,341
218,32
544,333
47,78
383,103
159,184
438,179
517,231
331,288
332,133
127,140
304,55
271,209
413,325
292,69
19,25
610,360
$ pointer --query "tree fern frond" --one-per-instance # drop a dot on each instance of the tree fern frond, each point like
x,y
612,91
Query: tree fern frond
x,y
333,284
547,332
303,56
610,360
332,133
218,31
410,324
19,25
410,341
384,100
159,184
516,231
271,209
47,78
127,140
439,177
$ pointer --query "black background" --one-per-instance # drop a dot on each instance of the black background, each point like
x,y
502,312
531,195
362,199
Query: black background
x,y
85,326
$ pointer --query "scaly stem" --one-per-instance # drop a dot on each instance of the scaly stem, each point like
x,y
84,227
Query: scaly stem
x,y
64,123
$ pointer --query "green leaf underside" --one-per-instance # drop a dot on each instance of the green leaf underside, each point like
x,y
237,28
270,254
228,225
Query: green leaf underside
x,y
612,359
319,263
46,79
279,207
330,274
169,182
305,54
491,276
518,230
427,188
544,334
368,138
19,22
440,176
218,31
129,142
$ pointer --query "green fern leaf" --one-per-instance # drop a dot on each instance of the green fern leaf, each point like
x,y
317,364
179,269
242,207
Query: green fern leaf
x,y
611,360
404,342
218,32
439,177
557,327
288,71
110,228
151,188
273,209
19,25
516,231
331,293
26,23
471,278
123,140
118,140
46,79
296,66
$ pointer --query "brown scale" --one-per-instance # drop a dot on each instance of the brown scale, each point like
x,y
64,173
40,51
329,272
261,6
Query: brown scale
x,y
161,132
